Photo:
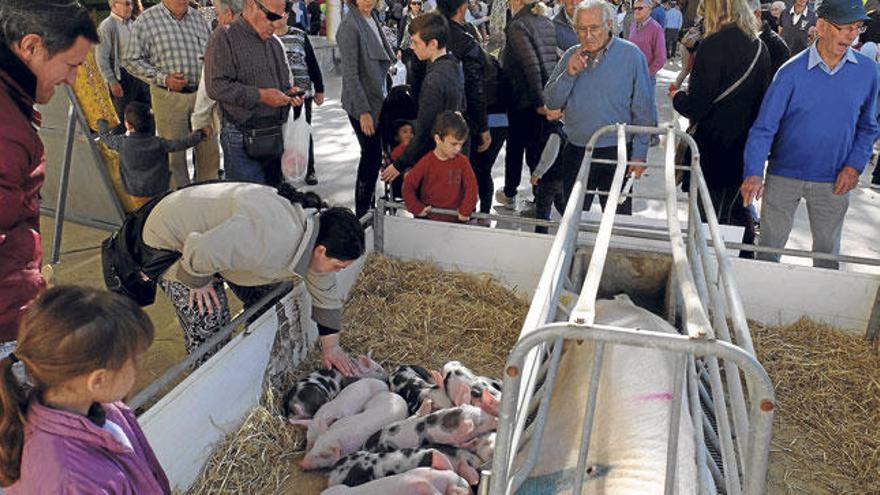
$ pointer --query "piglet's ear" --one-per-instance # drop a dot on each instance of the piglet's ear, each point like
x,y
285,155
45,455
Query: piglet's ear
x,y
436,377
441,462
466,427
460,393
300,421
426,408
489,403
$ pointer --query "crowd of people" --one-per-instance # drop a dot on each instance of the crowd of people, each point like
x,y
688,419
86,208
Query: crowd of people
x,y
780,102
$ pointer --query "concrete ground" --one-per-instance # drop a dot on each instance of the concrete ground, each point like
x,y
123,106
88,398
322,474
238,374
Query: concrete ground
x,y
336,156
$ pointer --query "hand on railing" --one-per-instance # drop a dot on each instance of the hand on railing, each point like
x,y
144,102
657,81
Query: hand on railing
x,y
636,170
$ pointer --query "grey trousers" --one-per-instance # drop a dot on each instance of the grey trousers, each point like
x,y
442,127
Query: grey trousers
x,y
825,209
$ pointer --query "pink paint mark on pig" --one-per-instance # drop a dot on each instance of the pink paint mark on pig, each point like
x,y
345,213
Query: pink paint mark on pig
x,y
653,397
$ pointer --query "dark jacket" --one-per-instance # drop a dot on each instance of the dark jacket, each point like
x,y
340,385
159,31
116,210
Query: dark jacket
x,y
776,46
723,127
565,35
143,158
364,60
529,56
465,48
796,36
442,89
22,167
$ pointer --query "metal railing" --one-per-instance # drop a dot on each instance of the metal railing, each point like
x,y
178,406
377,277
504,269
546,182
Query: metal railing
x,y
738,423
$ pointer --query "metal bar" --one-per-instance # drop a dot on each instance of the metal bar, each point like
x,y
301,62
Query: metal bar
x,y
696,322
722,419
585,310
606,161
587,427
696,418
735,387
541,418
763,398
674,419
173,373
61,205
96,154
379,227
478,215
624,194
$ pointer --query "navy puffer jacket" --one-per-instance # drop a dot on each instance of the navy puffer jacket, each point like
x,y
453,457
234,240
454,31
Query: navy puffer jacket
x,y
529,55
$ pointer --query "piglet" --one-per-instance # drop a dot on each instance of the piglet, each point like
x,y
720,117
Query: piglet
x,y
347,435
417,385
348,403
466,387
465,463
419,481
454,426
483,446
314,390
363,467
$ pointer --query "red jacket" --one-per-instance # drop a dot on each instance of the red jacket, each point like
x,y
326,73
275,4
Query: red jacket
x,y
450,184
22,167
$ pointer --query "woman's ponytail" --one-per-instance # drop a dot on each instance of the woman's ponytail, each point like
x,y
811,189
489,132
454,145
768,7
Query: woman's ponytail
x,y
12,408
305,199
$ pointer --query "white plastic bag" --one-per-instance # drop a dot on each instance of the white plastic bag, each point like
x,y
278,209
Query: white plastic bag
x,y
398,74
295,159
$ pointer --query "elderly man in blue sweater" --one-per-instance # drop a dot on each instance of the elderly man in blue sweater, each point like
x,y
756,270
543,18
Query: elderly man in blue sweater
x,y
818,123
601,81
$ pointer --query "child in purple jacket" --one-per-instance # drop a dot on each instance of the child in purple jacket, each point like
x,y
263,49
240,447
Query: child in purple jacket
x,y
70,433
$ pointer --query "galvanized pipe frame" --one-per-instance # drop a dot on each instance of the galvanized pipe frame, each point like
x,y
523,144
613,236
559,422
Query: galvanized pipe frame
x,y
694,305
761,407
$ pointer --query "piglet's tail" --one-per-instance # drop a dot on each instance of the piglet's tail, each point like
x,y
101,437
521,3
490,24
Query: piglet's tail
x,y
13,402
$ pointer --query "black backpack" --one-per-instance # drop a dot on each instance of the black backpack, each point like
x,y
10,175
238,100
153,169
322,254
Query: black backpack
x,y
130,267
497,86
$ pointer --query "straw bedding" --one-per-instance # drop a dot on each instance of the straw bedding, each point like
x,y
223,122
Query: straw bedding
x,y
827,426
401,312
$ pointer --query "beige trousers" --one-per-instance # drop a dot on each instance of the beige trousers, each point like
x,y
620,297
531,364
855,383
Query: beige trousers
x,y
173,111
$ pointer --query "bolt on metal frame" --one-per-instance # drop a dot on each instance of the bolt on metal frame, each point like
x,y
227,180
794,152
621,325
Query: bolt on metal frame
x,y
710,299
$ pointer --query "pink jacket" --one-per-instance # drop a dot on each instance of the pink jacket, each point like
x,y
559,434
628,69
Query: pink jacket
x,y
66,453
21,176
651,40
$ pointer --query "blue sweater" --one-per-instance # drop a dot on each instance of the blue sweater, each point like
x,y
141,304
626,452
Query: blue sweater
x,y
617,90
813,123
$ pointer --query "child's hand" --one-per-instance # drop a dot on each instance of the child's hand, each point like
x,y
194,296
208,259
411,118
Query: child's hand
x,y
462,218
425,212
533,180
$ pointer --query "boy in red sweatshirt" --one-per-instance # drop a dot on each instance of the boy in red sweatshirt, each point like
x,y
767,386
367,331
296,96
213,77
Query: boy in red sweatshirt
x,y
443,178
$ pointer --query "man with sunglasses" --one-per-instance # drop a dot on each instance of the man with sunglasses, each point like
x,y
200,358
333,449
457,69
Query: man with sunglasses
x,y
818,124
115,32
246,73
165,50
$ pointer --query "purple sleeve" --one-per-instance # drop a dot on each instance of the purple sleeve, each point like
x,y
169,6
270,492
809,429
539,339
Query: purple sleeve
x,y
658,60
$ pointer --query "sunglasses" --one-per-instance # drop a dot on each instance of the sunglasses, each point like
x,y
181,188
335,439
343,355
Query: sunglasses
x,y
639,8
272,16
415,3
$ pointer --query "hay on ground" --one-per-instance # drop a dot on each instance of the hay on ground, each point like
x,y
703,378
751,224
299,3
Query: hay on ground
x,y
826,434
404,313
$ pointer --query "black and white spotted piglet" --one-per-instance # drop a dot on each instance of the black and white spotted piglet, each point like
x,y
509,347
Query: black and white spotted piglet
x,y
362,467
417,385
454,426
466,387
317,388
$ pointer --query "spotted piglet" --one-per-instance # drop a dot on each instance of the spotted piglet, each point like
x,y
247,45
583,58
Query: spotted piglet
x,y
466,387
363,467
421,480
453,426
350,401
317,388
417,385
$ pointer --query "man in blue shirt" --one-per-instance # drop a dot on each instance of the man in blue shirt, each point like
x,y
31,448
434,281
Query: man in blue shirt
x,y
659,14
673,27
601,81
818,124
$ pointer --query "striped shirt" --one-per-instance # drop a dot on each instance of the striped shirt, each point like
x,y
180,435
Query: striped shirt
x,y
160,45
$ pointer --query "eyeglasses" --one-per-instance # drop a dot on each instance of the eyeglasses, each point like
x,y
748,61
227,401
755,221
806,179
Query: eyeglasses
x,y
270,16
415,3
849,29
591,30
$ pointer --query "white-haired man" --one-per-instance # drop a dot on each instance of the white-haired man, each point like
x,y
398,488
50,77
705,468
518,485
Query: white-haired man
x,y
600,81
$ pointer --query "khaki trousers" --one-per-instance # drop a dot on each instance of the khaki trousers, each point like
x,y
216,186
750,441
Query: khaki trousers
x,y
173,111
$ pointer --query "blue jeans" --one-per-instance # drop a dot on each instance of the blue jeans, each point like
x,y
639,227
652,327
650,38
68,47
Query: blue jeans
x,y
239,166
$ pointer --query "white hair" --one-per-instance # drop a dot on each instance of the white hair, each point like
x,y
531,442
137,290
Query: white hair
x,y
608,10
778,5
754,5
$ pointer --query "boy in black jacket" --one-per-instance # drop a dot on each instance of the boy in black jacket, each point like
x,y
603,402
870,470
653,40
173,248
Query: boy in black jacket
x,y
143,156
442,89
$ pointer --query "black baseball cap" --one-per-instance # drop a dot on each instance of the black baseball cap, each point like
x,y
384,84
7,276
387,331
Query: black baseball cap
x,y
842,12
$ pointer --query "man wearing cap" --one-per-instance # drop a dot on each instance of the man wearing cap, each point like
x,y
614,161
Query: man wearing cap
x,y
818,123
